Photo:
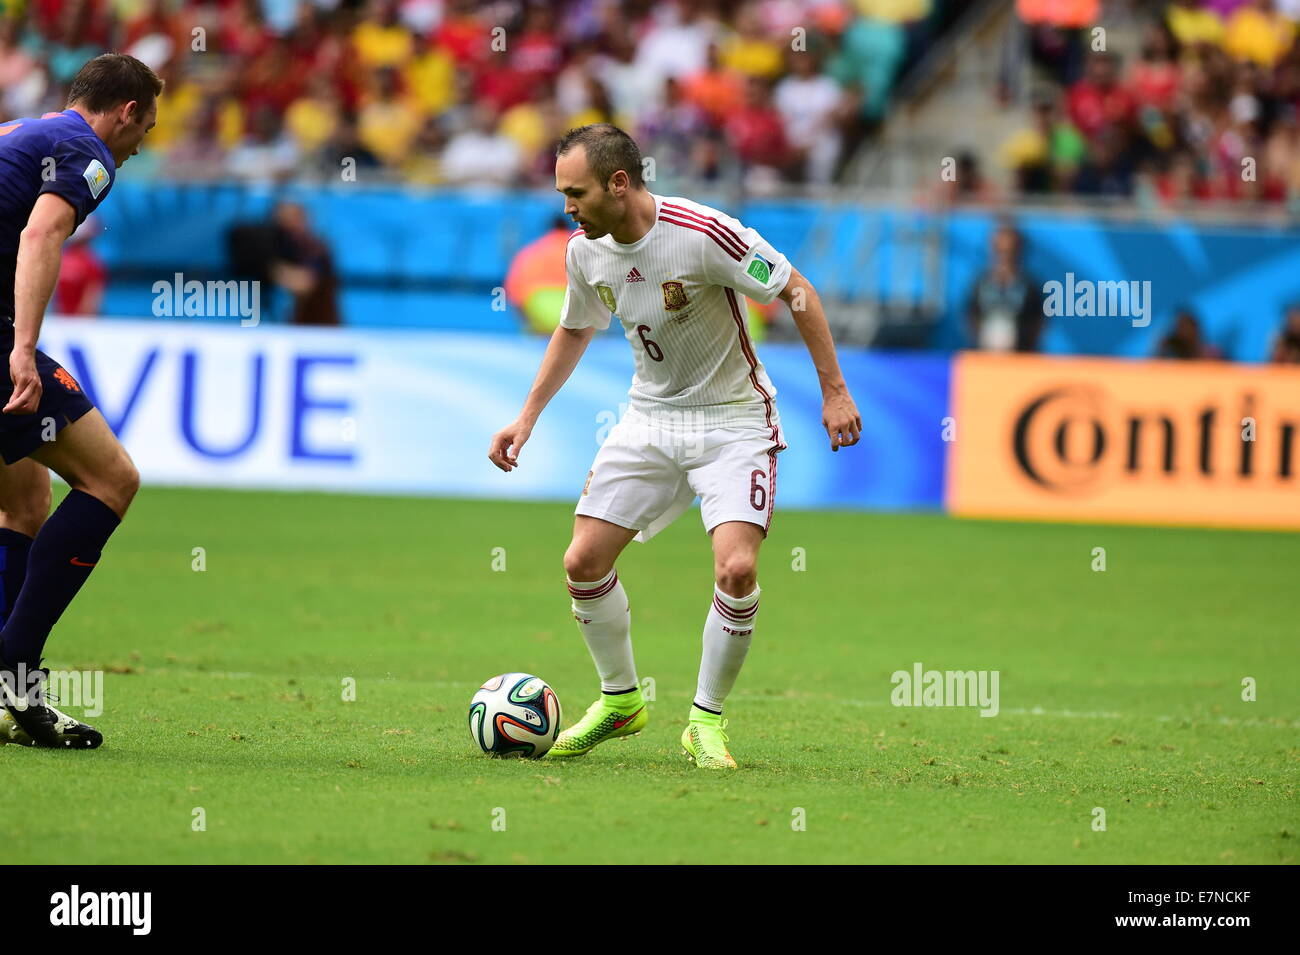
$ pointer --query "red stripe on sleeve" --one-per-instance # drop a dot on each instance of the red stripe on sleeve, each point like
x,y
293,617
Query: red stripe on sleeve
x,y
698,228
722,230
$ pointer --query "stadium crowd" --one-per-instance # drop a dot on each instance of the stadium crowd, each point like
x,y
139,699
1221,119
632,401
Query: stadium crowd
x,y
1207,110
466,92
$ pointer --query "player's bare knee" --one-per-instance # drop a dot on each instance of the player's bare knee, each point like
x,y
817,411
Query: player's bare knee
x,y
28,516
115,484
583,564
128,479
737,575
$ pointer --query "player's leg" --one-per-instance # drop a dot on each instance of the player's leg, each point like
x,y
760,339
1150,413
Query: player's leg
x,y
600,604
601,608
729,629
103,481
736,481
24,505
631,485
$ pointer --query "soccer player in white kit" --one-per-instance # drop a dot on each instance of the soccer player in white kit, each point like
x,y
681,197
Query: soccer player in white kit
x,y
701,420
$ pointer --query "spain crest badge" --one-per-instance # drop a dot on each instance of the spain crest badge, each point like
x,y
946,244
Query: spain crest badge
x,y
674,296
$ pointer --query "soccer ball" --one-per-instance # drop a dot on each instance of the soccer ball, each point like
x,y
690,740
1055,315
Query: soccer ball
x,y
515,714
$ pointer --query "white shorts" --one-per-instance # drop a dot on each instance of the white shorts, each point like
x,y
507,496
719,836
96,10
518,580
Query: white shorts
x,y
645,476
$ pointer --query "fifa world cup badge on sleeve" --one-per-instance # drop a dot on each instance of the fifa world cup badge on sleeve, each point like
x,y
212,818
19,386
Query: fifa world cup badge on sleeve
x,y
760,268
96,177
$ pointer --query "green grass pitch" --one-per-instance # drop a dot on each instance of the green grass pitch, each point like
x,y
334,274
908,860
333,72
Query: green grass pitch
x,y
1120,690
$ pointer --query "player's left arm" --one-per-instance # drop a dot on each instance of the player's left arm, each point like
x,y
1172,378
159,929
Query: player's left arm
x,y
737,257
839,414
40,253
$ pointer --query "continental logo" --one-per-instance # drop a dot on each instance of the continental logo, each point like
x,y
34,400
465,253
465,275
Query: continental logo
x,y
1067,438
1089,439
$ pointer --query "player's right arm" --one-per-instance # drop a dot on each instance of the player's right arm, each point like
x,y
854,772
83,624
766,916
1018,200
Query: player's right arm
x,y
562,354
40,252
581,316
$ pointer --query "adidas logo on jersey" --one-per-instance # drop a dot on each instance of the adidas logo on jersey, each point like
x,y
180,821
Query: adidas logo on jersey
x,y
635,276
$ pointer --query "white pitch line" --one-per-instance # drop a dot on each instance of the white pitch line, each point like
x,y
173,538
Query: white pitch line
x,y
770,698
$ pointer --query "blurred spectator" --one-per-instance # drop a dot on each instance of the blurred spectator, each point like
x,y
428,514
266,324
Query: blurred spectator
x,y
305,267
1185,341
1109,169
756,133
677,41
812,107
285,88
1179,181
481,155
1258,33
1206,113
536,53
390,120
672,136
1282,154
199,154
1099,102
749,50
1286,349
284,255
1156,78
430,78
968,184
313,118
266,154
81,34
629,83
380,41
19,72
535,283
716,89
82,274
423,167
243,31
1045,157
462,34
1071,14
1005,311
1192,24
155,35
345,151
870,55
272,79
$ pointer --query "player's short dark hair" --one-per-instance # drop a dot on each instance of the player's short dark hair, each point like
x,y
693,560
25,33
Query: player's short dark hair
x,y
608,148
112,79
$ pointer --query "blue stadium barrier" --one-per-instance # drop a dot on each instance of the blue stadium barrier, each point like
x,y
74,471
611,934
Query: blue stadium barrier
x,y
217,404
431,259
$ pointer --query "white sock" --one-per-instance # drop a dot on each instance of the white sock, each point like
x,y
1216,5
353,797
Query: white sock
x,y
727,635
605,619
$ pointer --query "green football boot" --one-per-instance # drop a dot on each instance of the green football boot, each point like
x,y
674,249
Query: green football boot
x,y
704,743
604,720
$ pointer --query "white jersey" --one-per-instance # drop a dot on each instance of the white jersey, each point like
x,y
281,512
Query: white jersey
x,y
678,292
